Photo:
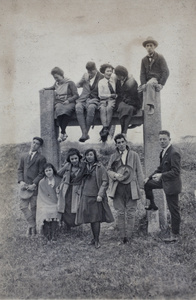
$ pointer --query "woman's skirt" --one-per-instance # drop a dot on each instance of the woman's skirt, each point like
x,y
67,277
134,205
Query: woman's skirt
x,y
90,211
125,109
64,109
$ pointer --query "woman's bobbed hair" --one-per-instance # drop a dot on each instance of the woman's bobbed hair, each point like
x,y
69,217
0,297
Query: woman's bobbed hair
x,y
91,150
58,71
104,67
49,165
71,152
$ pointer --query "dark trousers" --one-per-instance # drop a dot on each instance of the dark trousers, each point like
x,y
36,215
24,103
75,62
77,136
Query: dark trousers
x,y
172,202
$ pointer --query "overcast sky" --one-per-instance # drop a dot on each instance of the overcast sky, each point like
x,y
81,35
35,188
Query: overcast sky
x,y
39,35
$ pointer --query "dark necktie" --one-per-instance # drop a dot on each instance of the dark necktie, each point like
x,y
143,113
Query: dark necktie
x,y
111,88
160,156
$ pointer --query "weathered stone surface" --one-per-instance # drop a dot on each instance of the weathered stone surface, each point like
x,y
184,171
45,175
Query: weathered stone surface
x,y
153,221
152,126
49,131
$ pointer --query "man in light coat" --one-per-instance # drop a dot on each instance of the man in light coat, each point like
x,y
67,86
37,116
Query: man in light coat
x,y
125,171
30,172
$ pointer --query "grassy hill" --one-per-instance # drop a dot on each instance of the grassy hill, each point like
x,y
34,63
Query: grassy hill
x,y
147,268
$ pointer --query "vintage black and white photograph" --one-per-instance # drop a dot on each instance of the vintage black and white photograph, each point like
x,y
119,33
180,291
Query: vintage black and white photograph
x,y
98,149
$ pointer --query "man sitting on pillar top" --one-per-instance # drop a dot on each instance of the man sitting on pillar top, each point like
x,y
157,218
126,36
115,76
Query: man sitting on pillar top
x,y
154,73
88,101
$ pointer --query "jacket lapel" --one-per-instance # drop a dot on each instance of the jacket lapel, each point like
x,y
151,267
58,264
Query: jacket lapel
x,y
166,154
31,162
95,81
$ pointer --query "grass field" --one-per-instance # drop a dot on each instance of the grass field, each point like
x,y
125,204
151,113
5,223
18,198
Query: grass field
x,y
146,268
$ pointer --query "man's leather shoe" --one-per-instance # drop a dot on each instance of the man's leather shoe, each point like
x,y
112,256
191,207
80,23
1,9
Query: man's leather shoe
x,y
172,239
151,207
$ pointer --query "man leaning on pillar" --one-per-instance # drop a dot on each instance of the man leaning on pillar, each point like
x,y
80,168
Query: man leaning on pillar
x,y
154,73
30,172
167,177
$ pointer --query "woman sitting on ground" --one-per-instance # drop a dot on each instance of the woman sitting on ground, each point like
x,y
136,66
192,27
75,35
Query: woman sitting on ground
x,y
93,206
107,95
69,188
47,216
65,97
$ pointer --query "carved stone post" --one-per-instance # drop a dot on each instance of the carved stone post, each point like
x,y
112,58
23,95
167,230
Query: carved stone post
x,y
151,128
49,130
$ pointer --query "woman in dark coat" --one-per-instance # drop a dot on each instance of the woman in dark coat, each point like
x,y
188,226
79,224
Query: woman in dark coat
x,y
65,97
69,189
93,206
127,102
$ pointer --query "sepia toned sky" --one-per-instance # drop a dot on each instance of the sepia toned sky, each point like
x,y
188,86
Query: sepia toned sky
x,y
36,36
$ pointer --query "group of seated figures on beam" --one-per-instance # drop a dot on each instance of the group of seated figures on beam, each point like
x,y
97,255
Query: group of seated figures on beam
x,y
108,90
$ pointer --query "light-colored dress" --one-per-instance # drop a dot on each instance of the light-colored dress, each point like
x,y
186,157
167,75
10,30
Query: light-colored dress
x,y
47,202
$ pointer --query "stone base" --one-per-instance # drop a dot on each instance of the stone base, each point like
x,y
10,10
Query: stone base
x,y
153,221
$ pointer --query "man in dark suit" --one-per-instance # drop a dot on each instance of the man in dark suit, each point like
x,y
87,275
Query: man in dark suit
x,y
30,172
167,177
88,101
154,73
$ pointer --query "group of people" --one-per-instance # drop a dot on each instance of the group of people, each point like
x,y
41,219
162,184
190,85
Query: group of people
x,y
111,89
78,192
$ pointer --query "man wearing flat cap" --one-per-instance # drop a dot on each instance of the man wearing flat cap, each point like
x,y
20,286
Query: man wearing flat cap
x,y
30,172
154,73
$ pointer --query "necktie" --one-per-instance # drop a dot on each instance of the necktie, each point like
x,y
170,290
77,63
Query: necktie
x,y
111,88
161,155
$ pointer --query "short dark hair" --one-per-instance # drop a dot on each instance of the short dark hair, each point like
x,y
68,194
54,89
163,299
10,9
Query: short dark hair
x,y
90,66
73,151
58,71
41,141
121,71
104,67
165,132
119,136
49,165
91,150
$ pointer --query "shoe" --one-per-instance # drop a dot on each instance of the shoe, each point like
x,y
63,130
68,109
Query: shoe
x,y
60,138
34,231
92,242
151,207
97,245
172,239
64,137
29,232
125,240
84,138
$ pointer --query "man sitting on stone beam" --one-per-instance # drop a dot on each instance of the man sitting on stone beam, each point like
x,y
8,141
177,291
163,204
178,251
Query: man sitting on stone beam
x,y
154,73
88,101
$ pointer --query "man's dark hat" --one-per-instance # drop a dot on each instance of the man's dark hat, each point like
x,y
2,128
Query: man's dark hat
x,y
39,139
150,40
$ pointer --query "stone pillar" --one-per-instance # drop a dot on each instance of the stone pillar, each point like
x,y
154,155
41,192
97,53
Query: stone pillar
x,y
152,126
49,130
